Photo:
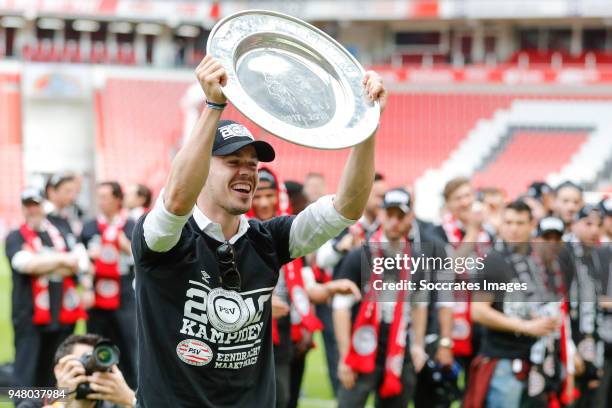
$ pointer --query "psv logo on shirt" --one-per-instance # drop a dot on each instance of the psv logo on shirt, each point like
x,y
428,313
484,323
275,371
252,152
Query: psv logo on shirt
x,y
226,326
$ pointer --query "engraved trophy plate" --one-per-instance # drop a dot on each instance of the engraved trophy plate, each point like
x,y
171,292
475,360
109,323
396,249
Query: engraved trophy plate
x,y
293,80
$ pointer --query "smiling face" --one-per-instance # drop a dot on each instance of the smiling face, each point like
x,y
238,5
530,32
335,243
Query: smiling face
x,y
232,181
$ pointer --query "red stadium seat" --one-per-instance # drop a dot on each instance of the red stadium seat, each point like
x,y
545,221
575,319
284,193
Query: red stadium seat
x,y
529,156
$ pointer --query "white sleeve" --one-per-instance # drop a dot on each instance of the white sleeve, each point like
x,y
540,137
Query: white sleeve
x,y
21,259
318,223
327,256
162,229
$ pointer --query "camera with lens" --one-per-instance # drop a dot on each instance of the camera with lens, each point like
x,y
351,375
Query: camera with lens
x,y
104,355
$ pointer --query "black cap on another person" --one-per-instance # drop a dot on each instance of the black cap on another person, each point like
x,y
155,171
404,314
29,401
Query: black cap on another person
x,y
232,136
397,198
605,206
31,195
586,211
265,175
551,224
537,189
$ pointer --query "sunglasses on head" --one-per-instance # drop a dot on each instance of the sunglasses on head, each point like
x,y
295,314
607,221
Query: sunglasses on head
x,y
228,270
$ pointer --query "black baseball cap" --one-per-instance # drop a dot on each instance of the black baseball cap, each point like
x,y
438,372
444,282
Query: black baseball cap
x,y
397,198
586,210
551,224
31,195
538,188
232,136
265,175
605,206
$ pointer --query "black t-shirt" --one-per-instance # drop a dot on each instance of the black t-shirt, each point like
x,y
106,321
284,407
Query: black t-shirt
x,y
200,345
501,344
23,306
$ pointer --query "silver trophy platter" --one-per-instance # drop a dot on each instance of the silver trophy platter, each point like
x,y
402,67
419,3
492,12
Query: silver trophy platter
x,y
293,80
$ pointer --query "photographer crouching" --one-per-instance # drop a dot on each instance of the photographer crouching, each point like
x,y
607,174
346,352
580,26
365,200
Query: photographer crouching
x,y
86,365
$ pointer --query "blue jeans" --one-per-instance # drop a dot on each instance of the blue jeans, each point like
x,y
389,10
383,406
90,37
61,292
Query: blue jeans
x,y
505,390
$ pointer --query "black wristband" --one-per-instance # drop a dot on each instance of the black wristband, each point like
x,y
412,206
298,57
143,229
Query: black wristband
x,y
216,106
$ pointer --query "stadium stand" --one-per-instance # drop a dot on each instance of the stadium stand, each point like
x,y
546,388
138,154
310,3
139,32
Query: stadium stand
x,y
529,155
11,167
136,134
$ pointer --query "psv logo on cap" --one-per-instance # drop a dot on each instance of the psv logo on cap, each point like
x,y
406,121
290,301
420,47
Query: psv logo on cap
x,y
235,130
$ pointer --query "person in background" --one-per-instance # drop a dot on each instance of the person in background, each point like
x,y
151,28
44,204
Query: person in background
x,y
493,201
107,239
62,191
296,289
373,334
314,187
605,207
604,392
462,230
329,257
587,267
108,389
45,302
138,199
543,193
514,321
568,200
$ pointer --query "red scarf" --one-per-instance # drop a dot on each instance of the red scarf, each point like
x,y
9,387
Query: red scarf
x,y
364,340
71,310
302,313
107,279
462,321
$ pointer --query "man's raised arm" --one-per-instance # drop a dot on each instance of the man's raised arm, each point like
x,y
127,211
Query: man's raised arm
x,y
190,166
323,220
163,225
358,174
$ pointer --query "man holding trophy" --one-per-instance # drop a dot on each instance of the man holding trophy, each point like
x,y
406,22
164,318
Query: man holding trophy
x,y
205,273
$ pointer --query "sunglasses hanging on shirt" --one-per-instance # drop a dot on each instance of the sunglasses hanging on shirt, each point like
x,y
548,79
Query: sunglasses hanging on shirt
x,y
228,271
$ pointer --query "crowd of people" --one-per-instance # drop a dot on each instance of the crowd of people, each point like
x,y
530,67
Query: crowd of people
x,y
67,267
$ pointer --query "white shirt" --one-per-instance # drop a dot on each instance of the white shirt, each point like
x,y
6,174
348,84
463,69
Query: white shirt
x,y
319,222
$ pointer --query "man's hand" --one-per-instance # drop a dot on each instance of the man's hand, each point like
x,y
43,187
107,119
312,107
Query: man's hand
x,y
280,308
444,356
69,264
346,375
88,298
212,76
111,386
343,287
69,373
124,243
542,326
375,90
94,251
419,357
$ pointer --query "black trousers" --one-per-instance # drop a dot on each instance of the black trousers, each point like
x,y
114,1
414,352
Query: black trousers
x,y
296,374
34,354
366,383
283,387
119,326
324,313
603,397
